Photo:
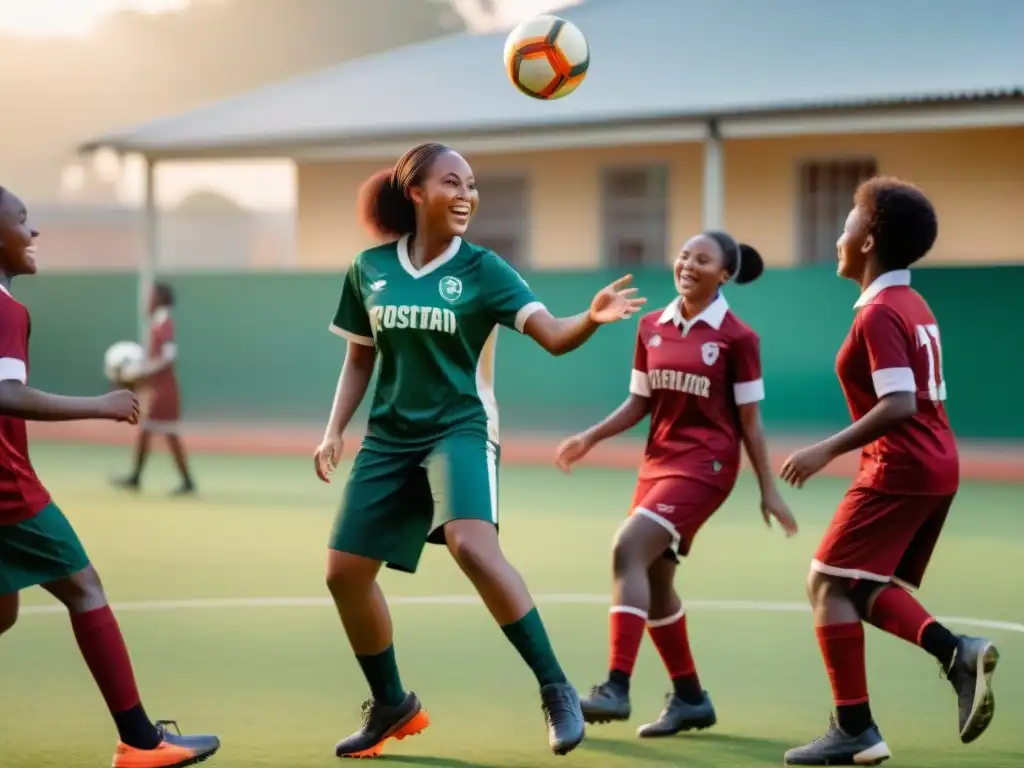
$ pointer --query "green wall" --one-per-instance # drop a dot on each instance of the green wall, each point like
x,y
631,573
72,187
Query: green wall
x,y
255,346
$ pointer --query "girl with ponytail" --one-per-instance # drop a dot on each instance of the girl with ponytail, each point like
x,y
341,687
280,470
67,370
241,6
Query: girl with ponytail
x,y
697,374
428,304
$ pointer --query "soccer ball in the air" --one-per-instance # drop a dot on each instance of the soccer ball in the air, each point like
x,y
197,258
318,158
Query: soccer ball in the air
x,y
123,361
547,57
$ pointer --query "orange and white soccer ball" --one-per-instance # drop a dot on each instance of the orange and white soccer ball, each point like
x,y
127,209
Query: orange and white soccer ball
x,y
547,57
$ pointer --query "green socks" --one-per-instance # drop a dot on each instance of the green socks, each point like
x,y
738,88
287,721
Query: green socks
x,y
381,672
531,640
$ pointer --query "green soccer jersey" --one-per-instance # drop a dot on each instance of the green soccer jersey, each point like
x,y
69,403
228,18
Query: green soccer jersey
x,y
435,331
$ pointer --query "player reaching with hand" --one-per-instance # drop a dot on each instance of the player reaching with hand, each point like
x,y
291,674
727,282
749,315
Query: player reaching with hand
x,y
697,374
427,306
882,536
38,546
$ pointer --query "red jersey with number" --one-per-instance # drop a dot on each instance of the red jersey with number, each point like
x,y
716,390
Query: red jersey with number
x,y
895,346
22,495
695,374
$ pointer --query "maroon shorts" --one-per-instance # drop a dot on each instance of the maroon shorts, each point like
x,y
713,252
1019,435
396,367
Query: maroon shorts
x,y
681,505
882,537
161,408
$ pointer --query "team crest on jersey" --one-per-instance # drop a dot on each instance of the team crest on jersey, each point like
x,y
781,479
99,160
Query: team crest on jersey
x,y
709,352
450,289
654,341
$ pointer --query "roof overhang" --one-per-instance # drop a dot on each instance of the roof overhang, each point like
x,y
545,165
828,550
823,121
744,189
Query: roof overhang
x,y
948,115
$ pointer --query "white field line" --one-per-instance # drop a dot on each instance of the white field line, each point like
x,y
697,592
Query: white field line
x,y
749,606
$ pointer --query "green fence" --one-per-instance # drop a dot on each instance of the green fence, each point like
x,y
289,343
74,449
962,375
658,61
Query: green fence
x,y
255,346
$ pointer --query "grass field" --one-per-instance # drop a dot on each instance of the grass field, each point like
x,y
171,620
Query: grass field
x,y
254,652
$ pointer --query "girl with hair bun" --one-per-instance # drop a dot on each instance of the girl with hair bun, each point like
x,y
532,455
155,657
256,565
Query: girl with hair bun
x,y
427,305
697,374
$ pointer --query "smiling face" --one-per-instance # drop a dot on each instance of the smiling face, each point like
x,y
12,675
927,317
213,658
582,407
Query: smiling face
x,y
699,269
447,196
17,249
855,245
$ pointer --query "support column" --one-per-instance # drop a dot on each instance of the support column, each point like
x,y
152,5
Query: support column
x,y
714,179
150,257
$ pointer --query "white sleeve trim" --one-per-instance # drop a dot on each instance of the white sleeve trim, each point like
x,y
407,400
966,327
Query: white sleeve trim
x,y
639,384
889,380
13,369
526,312
366,341
169,351
745,392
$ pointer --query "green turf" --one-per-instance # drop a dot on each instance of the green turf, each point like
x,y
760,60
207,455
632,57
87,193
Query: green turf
x,y
279,686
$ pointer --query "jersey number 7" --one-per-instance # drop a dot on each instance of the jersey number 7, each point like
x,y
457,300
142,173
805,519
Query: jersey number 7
x,y
928,338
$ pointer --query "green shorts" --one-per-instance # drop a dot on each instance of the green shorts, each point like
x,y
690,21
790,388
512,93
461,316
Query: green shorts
x,y
397,501
39,550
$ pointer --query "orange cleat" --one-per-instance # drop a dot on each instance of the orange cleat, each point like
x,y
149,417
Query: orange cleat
x,y
174,750
380,723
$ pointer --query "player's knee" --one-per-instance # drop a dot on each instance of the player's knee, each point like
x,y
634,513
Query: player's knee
x,y
81,592
347,574
475,557
821,587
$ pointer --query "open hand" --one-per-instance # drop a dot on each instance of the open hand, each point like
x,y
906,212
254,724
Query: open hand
x,y
616,302
327,456
773,506
804,464
570,451
119,405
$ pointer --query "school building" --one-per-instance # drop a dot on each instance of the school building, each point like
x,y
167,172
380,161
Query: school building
x,y
756,116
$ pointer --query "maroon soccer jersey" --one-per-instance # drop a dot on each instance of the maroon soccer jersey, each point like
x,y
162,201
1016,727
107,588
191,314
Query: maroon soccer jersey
x,y
164,383
695,373
22,495
894,346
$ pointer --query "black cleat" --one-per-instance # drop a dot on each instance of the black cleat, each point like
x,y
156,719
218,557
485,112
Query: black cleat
x,y
837,747
127,483
561,705
678,716
971,677
185,489
606,702
380,723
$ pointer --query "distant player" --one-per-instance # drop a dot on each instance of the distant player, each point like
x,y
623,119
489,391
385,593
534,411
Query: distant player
x,y
429,304
883,534
37,543
158,389
697,373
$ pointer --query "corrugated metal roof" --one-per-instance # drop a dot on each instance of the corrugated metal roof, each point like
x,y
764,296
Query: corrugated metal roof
x,y
651,59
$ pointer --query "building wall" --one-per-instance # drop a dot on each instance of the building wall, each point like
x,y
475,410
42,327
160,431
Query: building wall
x,y
975,178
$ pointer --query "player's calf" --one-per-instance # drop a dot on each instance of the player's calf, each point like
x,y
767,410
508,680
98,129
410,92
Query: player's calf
x,y
8,611
382,722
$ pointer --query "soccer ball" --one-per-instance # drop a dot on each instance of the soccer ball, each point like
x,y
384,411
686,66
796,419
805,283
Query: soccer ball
x,y
546,57
123,361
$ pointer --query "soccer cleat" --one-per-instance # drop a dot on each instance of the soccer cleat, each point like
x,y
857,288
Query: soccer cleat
x,y
380,723
561,705
174,750
679,715
606,702
185,489
127,483
837,747
971,676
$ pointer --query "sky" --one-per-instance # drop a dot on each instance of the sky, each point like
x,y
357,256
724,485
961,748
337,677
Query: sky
x,y
254,185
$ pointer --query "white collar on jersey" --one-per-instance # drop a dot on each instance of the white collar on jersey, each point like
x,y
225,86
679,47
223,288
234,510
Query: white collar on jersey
x,y
160,315
880,283
713,314
4,290
402,246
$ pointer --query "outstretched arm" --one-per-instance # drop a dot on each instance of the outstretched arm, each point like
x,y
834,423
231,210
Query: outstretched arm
x,y
24,402
558,335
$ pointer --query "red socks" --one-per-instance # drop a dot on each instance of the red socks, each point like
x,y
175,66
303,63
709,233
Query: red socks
x,y
842,647
673,644
626,626
102,646
897,612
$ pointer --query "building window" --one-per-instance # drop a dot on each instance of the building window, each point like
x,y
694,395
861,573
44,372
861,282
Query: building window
x,y
634,216
826,196
502,220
